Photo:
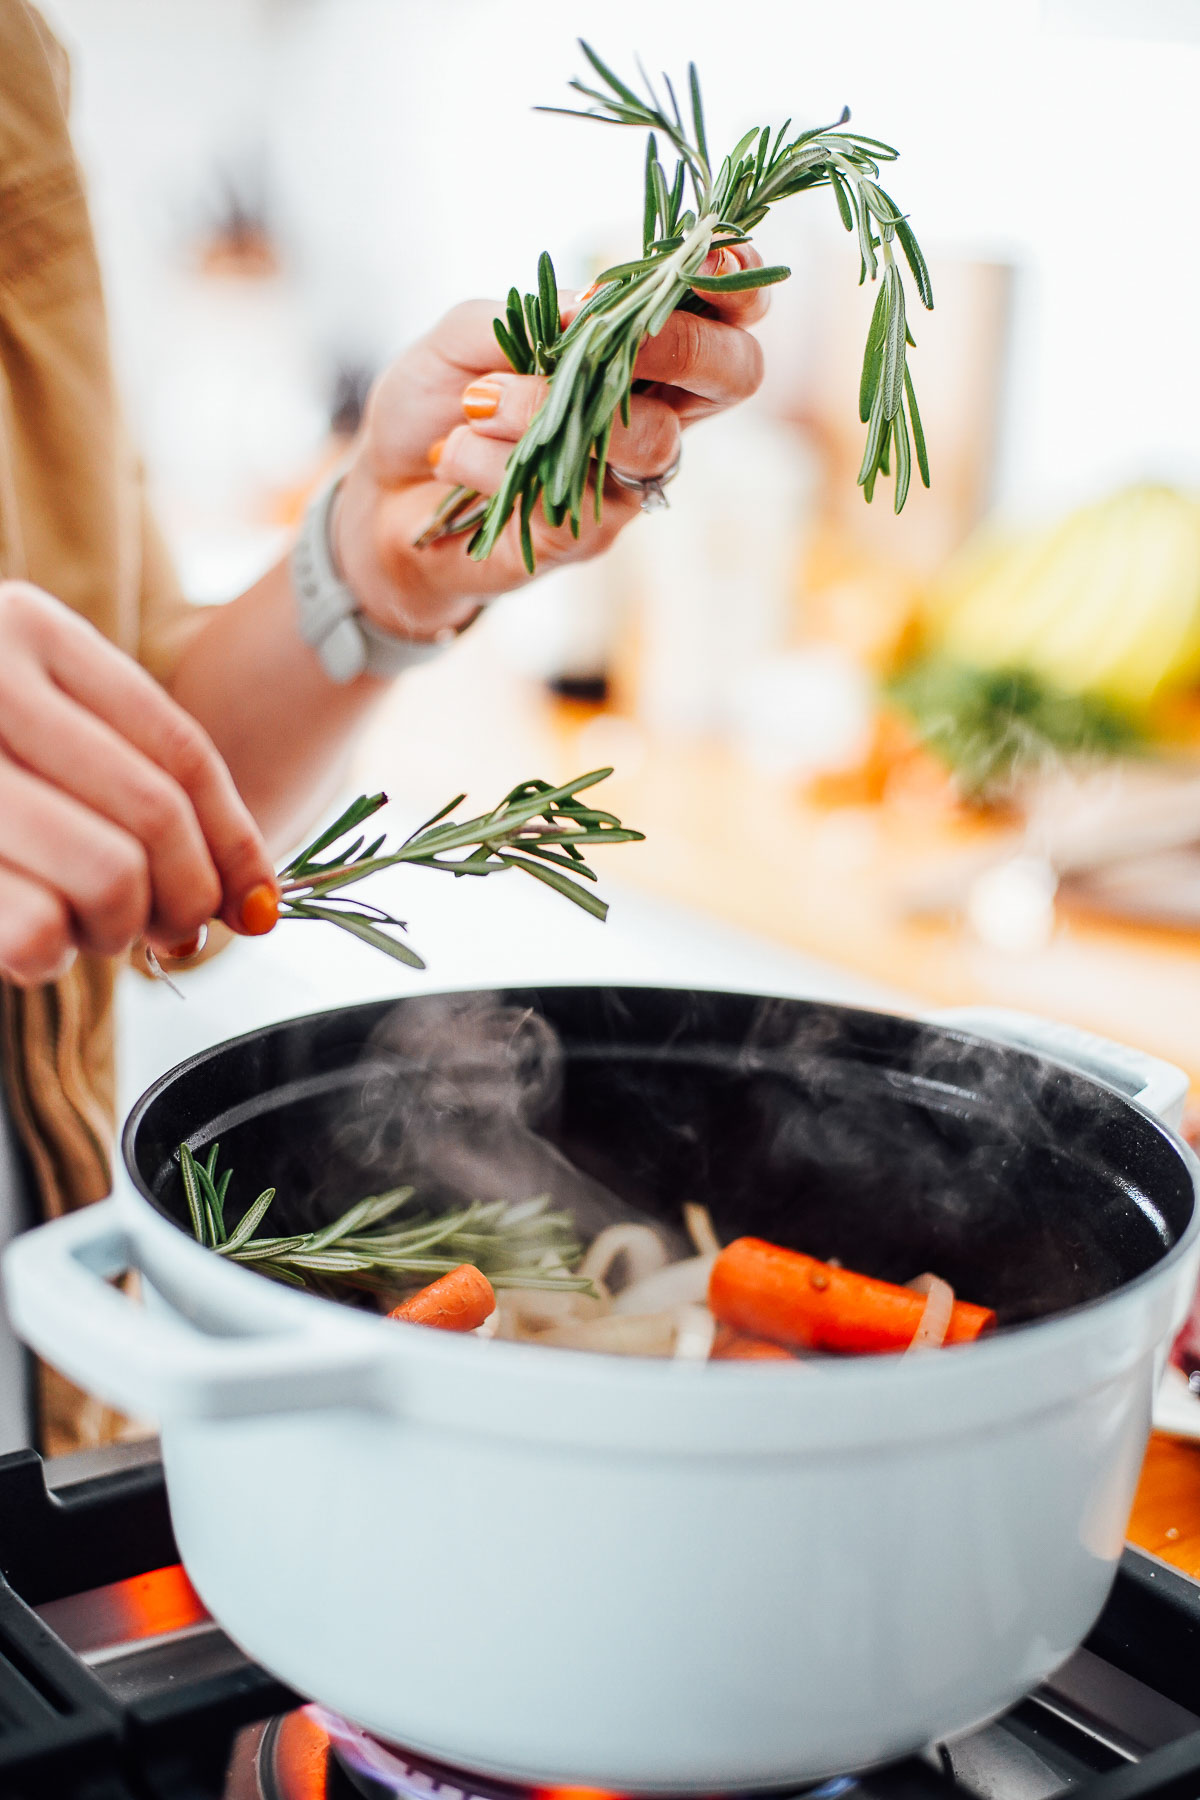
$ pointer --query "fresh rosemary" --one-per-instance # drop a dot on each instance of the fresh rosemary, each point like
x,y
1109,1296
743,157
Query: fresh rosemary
x,y
522,1245
540,829
590,363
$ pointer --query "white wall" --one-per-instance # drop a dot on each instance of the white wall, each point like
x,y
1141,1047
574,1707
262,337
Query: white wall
x,y
412,171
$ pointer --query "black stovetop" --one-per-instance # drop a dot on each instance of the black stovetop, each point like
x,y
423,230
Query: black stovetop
x,y
116,1685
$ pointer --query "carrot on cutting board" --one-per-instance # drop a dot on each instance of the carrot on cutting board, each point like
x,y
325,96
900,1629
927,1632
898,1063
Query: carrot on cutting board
x,y
459,1301
768,1292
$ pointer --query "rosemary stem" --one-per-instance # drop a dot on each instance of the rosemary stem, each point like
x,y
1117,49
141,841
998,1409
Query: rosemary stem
x,y
301,882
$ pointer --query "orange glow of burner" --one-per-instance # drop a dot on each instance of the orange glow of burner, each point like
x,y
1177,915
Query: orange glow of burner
x,y
150,1605
301,1756
577,1793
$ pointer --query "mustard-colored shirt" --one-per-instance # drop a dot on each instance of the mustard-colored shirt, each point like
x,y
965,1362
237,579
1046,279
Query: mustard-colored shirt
x,y
73,519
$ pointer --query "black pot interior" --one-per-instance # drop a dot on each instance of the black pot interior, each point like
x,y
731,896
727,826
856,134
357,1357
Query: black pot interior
x,y
893,1145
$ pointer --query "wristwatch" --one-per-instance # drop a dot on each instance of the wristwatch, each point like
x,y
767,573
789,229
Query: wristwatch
x,y
330,618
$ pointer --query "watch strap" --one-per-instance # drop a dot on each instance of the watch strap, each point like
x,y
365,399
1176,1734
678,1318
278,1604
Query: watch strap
x,y
329,617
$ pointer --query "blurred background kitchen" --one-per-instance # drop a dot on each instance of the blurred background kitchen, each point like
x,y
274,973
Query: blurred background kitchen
x,y
944,758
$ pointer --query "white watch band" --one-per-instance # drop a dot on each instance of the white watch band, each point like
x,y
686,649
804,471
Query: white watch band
x,y
347,642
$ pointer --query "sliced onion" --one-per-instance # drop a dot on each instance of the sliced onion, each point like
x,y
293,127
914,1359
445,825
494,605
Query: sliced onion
x,y
679,1284
935,1320
695,1330
642,1249
527,1312
643,1334
700,1228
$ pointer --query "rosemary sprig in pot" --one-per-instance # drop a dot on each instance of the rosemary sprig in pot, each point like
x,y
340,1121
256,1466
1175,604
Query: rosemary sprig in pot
x,y
537,828
590,363
522,1245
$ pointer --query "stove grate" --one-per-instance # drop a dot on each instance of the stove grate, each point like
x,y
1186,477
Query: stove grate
x,y
58,1717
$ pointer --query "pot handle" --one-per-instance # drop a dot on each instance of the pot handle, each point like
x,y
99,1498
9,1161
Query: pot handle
x,y
1158,1086
153,1362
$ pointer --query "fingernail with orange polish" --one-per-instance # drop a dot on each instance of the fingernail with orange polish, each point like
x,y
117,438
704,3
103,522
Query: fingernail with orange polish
x,y
190,947
260,910
434,452
481,399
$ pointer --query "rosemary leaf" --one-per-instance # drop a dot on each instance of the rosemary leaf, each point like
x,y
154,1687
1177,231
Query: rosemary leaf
x,y
363,1214
253,1218
903,456
893,344
355,813
918,430
442,813
698,114
650,199
871,449
842,198
872,357
210,1199
362,928
606,74
739,280
513,352
548,316
562,884
191,1189
914,258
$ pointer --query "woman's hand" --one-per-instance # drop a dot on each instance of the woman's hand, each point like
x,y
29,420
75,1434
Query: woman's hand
x,y
117,817
446,404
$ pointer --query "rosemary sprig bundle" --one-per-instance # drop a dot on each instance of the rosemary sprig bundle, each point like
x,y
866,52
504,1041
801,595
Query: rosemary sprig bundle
x,y
522,1245
537,828
590,363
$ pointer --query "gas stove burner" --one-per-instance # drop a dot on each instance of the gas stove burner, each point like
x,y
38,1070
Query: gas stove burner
x,y
313,1754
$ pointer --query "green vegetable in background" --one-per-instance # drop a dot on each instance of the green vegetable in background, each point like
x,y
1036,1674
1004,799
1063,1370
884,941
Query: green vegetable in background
x,y
994,726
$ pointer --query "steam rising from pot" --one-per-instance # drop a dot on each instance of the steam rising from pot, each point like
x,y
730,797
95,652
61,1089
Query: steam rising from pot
x,y
465,1105
936,1159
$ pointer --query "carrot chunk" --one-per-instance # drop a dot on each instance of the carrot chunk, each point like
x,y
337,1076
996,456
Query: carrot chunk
x,y
767,1292
735,1346
459,1301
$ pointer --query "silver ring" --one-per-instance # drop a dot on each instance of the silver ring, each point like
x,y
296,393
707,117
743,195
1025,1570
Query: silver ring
x,y
650,487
